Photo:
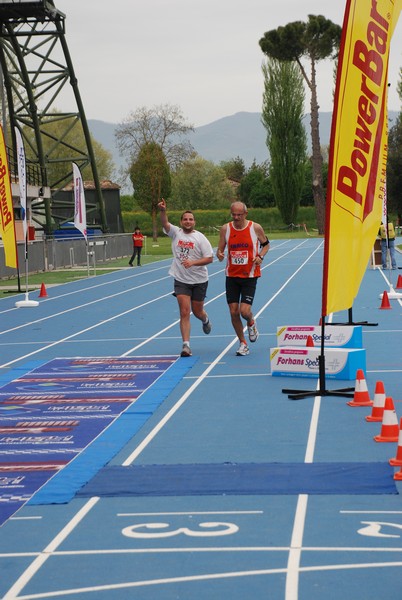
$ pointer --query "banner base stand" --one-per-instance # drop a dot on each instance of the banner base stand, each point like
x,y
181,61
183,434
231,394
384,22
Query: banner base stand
x,y
27,303
351,322
394,295
301,394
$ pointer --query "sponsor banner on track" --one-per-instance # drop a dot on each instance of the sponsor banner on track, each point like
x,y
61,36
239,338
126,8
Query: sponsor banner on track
x,y
107,365
51,414
340,363
344,336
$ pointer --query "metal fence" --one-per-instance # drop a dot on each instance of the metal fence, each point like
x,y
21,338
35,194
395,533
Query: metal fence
x,y
50,253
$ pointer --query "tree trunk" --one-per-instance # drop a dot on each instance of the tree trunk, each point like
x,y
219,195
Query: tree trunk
x,y
317,160
154,225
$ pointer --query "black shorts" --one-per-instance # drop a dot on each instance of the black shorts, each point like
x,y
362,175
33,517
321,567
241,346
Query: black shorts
x,y
240,290
196,291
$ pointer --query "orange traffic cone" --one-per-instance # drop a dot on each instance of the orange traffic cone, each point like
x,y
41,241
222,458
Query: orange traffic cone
x,y
43,292
399,283
309,342
361,396
397,461
378,404
385,301
398,475
390,428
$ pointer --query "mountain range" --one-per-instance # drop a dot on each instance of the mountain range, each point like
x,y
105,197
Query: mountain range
x,y
240,135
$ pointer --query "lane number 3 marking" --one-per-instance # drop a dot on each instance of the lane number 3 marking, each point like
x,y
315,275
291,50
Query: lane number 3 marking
x,y
156,530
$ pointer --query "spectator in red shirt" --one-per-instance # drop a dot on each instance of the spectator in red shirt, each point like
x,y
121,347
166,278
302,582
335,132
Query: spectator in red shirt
x,y
138,240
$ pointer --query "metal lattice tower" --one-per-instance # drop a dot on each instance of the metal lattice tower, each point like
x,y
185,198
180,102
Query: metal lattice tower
x,y
37,68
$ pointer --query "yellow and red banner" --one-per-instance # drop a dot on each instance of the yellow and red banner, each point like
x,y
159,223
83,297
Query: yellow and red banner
x,y
7,226
358,149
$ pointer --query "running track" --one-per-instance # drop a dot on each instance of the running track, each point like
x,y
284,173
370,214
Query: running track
x,y
227,409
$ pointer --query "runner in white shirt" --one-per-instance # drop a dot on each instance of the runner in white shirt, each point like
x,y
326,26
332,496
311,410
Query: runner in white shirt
x,y
192,252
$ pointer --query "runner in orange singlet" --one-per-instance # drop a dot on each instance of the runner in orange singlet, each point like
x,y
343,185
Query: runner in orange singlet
x,y
247,245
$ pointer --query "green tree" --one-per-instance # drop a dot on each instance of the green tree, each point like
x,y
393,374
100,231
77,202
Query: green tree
x,y
255,188
282,116
235,168
127,203
200,184
150,176
316,40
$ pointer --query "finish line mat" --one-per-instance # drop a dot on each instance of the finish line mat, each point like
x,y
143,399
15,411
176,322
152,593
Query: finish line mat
x,y
242,479
51,414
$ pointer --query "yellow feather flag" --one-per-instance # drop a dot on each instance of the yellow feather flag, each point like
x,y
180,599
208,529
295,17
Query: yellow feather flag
x,y
7,226
358,149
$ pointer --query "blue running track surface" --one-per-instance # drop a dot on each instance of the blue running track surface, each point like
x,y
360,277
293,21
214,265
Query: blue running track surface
x,y
212,483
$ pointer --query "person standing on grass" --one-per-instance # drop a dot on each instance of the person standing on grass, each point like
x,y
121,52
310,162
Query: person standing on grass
x,y
247,245
138,240
192,252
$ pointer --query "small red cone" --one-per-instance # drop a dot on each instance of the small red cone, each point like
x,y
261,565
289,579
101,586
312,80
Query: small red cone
x,y
397,461
398,475
390,427
361,396
385,301
43,292
399,283
309,342
378,404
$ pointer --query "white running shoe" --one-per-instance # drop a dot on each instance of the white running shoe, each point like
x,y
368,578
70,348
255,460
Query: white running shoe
x,y
186,351
252,332
242,350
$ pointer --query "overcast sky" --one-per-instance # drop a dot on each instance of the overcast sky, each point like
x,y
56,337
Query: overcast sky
x,y
202,55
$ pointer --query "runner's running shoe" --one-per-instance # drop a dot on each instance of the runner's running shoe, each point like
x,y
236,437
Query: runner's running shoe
x,y
242,350
206,327
252,332
186,351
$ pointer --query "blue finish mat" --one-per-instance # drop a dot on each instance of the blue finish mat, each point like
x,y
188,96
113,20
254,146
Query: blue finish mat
x,y
242,479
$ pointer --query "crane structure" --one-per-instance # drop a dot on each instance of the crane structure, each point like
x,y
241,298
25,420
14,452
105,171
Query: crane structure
x,y
36,71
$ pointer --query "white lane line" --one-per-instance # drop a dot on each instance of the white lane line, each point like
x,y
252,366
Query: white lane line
x,y
80,306
137,451
292,577
206,577
192,512
39,561
60,341
47,552
90,288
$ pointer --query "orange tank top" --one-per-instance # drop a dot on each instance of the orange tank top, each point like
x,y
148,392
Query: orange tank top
x,y
242,245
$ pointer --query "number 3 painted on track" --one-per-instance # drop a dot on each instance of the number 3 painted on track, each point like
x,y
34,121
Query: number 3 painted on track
x,y
224,529
373,529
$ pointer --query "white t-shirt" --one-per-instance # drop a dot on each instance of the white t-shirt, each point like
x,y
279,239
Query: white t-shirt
x,y
193,246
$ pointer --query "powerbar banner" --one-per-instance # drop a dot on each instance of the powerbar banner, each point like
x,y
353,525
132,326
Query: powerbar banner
x,y
358,149
7,228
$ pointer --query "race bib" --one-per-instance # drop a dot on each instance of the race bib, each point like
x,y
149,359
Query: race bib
x,y
239,257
